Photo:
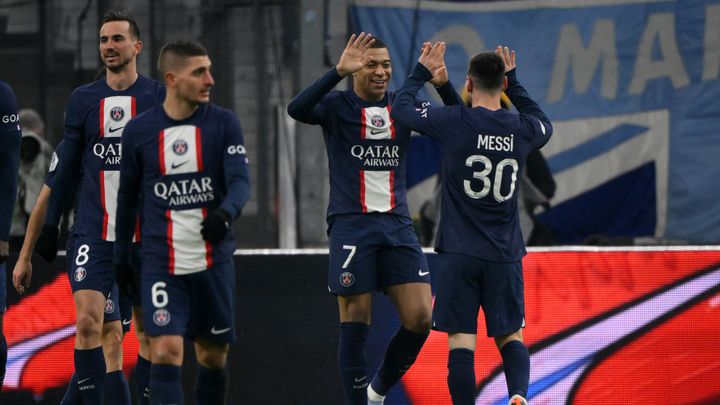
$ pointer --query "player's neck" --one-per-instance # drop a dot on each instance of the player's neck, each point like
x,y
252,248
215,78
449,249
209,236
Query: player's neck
x,y
488,101
121,80
178,108
365,96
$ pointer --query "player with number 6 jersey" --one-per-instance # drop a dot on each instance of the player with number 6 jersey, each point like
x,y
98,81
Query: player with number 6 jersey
x,y
184,164
480,246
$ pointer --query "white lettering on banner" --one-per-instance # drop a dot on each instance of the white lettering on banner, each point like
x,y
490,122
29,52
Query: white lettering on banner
x,y
584,61
662,27
711,59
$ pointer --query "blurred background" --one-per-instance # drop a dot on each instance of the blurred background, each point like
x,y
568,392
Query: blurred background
x,y
632,96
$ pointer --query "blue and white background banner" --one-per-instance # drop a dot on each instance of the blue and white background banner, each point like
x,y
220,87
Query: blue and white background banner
x,y
632,87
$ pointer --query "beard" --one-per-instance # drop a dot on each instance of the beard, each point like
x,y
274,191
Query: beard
x,y
119,67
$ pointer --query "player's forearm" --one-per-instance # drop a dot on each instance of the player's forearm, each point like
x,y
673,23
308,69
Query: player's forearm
x,y
521,99
300,108
448,94
237,183
9,162
35,222
67,173
403,107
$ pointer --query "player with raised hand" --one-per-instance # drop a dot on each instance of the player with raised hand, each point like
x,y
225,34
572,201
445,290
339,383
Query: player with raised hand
x,y
10,136
373,245
184,164
480,246
95,118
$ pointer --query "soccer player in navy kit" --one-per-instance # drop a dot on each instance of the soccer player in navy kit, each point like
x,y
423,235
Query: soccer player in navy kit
x,y
95,118
484,149
10,136
114,308
373,245
188,159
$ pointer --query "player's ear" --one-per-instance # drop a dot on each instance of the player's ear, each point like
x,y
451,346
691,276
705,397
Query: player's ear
x,y
505,82
169,78
468,85
138,47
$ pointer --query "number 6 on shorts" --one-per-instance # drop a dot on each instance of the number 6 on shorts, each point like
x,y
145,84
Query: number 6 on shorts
x,y
159,296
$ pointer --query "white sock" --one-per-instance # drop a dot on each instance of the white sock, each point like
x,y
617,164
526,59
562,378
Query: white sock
x,y
374,396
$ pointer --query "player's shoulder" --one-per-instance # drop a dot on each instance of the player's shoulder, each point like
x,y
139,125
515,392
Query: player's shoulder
x,y
149,117
6,89
153,85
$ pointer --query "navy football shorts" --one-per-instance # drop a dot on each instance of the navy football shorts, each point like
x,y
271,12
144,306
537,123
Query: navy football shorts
x,y
372,252
194,305
464,283
90,267
3,289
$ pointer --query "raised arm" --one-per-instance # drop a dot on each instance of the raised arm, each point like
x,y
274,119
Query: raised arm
x,y
424,119
521,99
305,106
441,80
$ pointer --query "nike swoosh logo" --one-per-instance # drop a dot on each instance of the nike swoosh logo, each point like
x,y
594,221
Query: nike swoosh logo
x,y
126,321
111,129
83,380
377,131
360,379
218,331
175,166
423,273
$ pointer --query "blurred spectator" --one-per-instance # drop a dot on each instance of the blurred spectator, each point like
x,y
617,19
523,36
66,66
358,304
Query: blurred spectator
x,y
35,154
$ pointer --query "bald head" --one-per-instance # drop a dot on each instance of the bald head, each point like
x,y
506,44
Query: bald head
x,y
174,55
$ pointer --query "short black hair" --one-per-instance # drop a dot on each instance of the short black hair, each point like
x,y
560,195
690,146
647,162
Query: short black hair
x,y
378,43
172,52
487,70
122,16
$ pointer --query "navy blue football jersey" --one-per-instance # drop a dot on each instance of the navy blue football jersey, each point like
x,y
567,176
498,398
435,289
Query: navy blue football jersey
x,y
366,149
10,136
483,156
95,119
183,170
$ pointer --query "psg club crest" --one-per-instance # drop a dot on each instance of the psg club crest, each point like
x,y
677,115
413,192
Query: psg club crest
x,y
377,121
109,306
80,274
180,147
117,113
347,279
161,317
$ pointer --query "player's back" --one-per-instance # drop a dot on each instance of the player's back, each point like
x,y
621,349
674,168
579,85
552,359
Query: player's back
x,y
99,114
484,155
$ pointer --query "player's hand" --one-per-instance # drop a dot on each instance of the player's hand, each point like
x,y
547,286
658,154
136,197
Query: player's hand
x,y
46,244
215,226
507,56
354,57
22,274
125,279
432,57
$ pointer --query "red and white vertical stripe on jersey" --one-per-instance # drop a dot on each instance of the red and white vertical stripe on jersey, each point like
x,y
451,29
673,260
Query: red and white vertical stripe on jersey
x,y
376,190
109,184
180,150
115,112
187,251
375,123
377,193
